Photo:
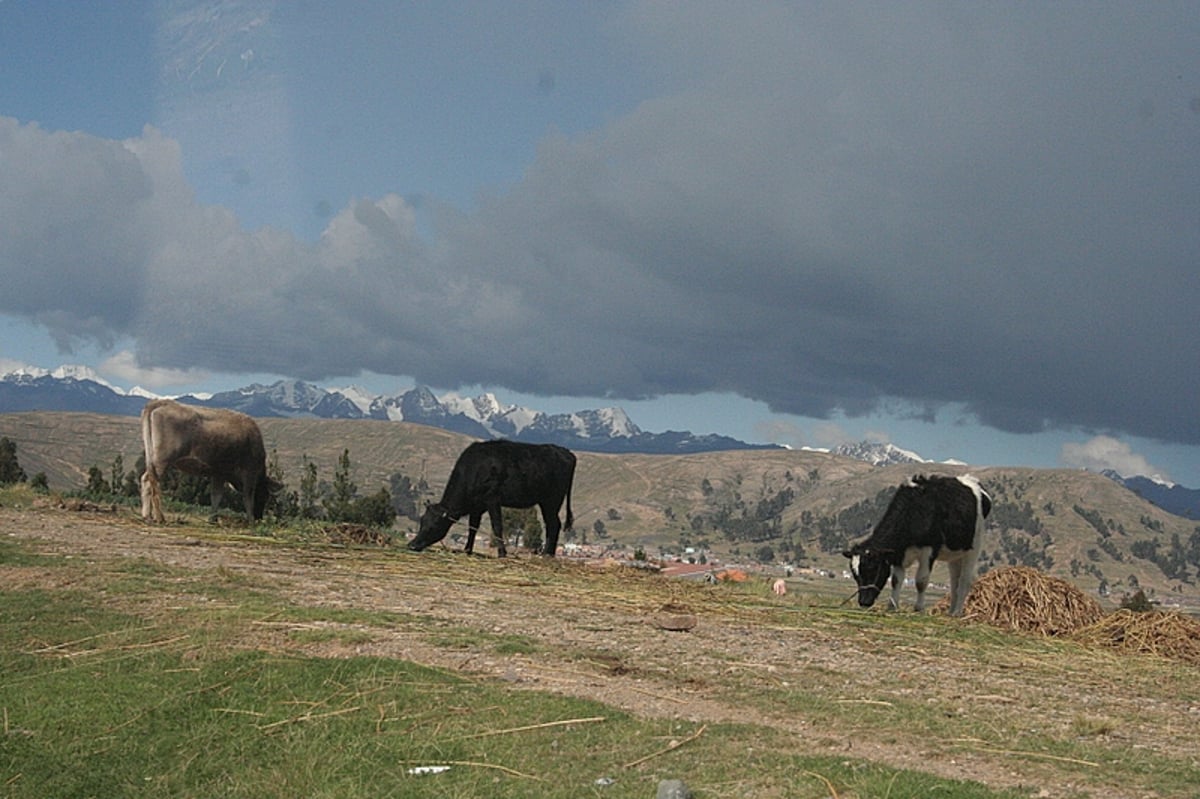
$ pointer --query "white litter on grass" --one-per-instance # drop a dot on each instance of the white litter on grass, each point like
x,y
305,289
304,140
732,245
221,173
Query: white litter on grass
x,y
428,769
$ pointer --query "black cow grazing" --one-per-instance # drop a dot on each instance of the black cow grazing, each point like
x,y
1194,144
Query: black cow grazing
x,y
929,518
493,474
225,446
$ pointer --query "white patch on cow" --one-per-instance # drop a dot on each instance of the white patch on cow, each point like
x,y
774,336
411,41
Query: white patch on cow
x,y
971,482
923,557
855,560
962,571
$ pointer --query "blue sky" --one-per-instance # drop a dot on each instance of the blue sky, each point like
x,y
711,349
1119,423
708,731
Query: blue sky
x,y
972,230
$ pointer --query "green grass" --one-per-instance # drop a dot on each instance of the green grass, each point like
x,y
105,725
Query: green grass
x,y
162,699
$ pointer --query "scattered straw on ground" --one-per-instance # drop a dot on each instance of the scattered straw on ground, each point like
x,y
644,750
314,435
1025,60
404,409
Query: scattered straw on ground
x,y
1155,632
1022,598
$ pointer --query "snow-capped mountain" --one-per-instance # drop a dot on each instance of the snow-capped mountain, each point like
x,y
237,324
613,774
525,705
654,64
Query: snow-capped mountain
x,y
878,454
1169,496
68,388
602,430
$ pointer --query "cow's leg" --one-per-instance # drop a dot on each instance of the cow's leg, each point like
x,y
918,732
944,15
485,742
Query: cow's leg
x,y
956,568
962,577
248,498
147,491
152,496
553,526
473,521
924,565
216,492
496,514
897,581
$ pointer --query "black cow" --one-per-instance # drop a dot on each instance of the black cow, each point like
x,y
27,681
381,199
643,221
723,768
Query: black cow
x,y
929,518
493,474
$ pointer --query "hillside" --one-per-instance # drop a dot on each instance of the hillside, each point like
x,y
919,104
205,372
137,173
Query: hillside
x,y
802,506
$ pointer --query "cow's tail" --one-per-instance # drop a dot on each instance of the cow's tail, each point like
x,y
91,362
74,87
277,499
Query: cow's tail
x,y
570,523
151,499
147,445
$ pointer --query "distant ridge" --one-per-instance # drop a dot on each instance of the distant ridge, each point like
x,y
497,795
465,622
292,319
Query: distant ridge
x,y
1170,497
610,430
605,430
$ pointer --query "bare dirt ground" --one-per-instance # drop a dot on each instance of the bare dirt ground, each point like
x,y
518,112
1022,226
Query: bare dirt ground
x,y
594,644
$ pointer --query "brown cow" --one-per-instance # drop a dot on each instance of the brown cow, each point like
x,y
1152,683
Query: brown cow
x,y
223,445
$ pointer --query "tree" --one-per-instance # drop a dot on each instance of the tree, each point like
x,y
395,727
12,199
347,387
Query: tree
x,y
406,495
338,503
132,483
308,498
96,484
117,475
10,470
375,510
283,504
525,522
1138,602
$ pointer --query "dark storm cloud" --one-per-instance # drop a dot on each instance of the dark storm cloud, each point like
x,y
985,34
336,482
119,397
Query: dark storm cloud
x,y
827,207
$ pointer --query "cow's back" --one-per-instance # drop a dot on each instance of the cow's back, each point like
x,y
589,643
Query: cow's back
x,y
929,511
512,473
223,441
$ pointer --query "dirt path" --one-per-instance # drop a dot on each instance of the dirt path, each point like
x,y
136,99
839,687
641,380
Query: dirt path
x,y
593,645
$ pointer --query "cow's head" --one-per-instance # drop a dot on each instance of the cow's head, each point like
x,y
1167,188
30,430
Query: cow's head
x,y
435,523
871,569
264,489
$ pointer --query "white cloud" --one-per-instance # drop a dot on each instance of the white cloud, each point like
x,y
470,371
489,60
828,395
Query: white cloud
x,y
818,435
907,206
781,431
8,365
124,367
1105,452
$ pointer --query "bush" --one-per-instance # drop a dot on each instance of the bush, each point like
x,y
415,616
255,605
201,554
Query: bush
x,y
10,471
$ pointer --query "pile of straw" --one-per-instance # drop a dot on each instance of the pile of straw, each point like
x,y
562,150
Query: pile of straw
x,y
1022,598
1155,632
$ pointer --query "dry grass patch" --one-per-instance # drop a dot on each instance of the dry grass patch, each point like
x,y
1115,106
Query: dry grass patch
x,y
1170,635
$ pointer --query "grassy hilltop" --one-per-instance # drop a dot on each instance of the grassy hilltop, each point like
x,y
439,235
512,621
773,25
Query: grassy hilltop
x,y
1074,524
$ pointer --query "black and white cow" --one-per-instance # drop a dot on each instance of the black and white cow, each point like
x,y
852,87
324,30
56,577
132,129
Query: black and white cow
x,y
930,518
490,475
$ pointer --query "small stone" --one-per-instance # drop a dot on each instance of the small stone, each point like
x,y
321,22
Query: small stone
x,y
673,789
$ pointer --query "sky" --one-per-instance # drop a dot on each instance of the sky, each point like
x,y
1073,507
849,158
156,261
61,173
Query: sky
x,y
968,229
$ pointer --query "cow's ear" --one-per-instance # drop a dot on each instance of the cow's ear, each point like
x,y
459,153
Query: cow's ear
x,y
847,553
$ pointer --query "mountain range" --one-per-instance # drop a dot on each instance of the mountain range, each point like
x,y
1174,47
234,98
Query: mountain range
x,y
606,430
610,430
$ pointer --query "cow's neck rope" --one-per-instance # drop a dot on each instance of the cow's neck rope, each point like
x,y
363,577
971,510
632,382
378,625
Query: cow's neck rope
x,y
446,515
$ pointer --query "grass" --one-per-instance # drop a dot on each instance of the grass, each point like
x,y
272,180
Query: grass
x,y
164,700
140,678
